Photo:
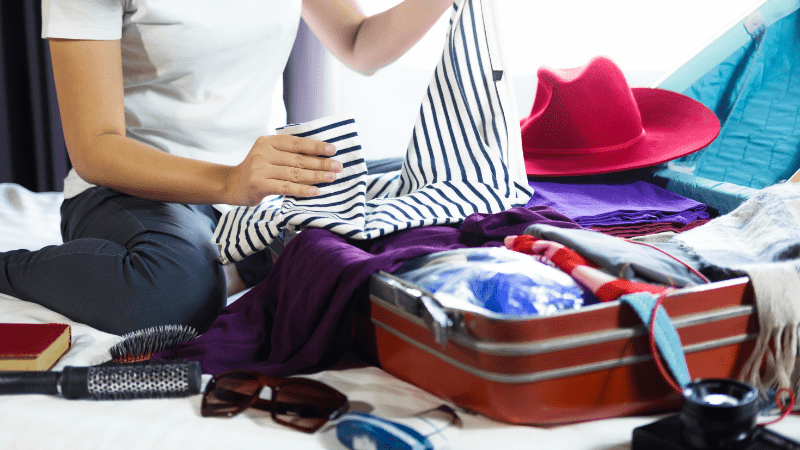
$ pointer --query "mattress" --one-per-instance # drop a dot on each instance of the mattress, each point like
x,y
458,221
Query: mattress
x,y
30,220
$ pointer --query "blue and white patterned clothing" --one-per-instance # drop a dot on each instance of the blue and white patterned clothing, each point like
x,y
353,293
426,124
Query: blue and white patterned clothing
x,y
464,156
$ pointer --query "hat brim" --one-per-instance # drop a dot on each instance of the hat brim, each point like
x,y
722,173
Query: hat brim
x,y
675,126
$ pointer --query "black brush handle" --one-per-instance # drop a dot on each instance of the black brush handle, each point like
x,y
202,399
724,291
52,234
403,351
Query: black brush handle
x,y
75,382
28,382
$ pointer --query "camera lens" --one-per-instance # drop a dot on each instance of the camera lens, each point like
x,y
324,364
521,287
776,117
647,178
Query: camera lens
x,y
719,414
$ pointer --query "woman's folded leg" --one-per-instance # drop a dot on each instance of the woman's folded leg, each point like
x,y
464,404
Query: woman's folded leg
x,y
126,264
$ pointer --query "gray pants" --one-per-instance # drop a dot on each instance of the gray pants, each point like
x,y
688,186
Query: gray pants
x,y
128,263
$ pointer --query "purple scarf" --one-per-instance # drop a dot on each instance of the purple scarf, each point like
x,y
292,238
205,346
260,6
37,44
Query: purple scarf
x,y
298,319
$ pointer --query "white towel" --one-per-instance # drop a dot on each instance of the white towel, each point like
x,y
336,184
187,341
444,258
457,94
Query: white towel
x,y
761,238
777,291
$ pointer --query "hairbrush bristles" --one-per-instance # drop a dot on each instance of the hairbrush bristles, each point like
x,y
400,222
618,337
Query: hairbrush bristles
x,y
142,344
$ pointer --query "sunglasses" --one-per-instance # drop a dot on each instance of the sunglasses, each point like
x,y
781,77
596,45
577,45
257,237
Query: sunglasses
x,y
300,403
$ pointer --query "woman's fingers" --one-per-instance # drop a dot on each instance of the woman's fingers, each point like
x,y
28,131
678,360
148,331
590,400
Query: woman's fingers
x,y
301,153
301,176
300,145
282,164
291,189
300,161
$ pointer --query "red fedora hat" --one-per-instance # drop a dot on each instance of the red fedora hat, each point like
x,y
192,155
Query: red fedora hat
x,y
588,121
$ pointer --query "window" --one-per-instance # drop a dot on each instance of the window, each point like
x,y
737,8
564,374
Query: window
x,y
646,38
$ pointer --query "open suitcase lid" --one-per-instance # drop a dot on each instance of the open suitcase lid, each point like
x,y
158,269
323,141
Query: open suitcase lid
x,y
738,34
723,74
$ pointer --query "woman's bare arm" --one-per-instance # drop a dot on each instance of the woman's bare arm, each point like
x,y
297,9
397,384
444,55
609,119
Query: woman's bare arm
x,y
88,78
366,44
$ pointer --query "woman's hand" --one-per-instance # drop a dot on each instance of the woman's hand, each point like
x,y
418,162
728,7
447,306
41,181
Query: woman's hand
x,y
283,165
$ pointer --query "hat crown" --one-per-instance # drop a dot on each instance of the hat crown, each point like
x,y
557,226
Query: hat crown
x,y
589,108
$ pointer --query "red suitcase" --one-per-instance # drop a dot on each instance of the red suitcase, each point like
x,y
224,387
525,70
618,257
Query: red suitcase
x,y
579,365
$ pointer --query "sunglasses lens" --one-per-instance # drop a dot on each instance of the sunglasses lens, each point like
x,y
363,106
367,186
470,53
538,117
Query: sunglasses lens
x,y
307,405
230,394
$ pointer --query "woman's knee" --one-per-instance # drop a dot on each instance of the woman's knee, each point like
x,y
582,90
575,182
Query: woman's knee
x,y
158,264
190,290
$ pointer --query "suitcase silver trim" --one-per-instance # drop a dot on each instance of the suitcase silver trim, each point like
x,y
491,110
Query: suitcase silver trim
x,y
559,373
551,345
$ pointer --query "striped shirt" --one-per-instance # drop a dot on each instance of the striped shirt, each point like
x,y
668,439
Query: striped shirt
x,y
464,157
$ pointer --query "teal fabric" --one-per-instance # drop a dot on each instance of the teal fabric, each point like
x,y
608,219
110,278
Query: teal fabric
x,y
756,94
666,337
720,195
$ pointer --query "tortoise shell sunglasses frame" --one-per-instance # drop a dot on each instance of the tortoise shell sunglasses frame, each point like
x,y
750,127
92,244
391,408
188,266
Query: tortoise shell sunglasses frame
x,y
300,403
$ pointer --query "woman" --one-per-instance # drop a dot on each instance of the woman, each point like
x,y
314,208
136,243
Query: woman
x,y
165,111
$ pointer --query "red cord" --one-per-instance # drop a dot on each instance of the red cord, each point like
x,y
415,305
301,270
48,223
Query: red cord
x,y
691,269
653,348
785,410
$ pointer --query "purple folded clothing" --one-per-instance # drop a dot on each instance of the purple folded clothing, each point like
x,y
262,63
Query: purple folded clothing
x,y
619,203
643,229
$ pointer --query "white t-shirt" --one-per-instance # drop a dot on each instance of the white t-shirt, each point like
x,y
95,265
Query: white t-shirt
x,y
202,78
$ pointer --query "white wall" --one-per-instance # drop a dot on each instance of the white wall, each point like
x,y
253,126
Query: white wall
x,y
646,38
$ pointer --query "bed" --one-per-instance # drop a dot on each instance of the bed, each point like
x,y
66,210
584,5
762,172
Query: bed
x,y
30,220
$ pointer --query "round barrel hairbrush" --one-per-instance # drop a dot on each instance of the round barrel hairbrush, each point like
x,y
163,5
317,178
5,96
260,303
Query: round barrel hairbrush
x,y
150,379
140,345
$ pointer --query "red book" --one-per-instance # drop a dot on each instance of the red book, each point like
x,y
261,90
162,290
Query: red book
x,y
33,346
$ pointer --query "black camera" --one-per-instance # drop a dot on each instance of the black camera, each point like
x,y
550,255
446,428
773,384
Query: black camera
x,y
716,415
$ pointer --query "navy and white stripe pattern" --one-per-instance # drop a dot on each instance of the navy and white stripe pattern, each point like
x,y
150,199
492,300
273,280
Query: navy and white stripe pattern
x,y
456,163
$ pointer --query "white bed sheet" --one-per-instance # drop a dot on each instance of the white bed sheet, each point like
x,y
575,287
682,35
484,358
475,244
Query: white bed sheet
x,y
27,422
